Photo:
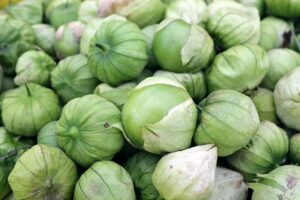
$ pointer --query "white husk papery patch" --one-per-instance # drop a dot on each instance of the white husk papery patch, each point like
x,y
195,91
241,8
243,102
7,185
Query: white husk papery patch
x,y
163,24
282,183
159,80
126,7
228,185
191,11
174,128
244,29
197,48
188,174
122,7
88,11
222,6
192,46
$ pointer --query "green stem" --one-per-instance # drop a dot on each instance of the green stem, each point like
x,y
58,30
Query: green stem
x,y
199,107
37,48
13,152
27,89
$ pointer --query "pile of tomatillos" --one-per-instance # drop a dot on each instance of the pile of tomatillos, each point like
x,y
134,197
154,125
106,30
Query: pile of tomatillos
x,y
150,100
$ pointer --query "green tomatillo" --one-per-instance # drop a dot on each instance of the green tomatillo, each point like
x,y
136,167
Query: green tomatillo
x,y
189,50
165,118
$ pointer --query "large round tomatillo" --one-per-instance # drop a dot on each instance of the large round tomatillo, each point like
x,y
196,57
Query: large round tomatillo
x,y
117,52
72,78
105,180
189,50
159,116
27,109
239,68
228,119
232,24
88,130
266,151
43,173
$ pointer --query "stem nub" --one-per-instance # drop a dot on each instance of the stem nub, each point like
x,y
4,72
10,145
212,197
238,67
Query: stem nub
x,y
27,89
103,47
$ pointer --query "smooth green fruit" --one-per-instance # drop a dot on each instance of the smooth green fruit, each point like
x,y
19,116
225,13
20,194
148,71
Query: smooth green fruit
x,y
47,135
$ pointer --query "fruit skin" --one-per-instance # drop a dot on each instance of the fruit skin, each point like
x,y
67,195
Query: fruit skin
x,y
189,50
241,68
117,52
166,119
35,67
286,96
67,39
25,110
265,106
11,147
228,185
281,183
91,29
45,37
266,151
117,95
89,130
43,172
195,83
47,135
149,33
287,8
60,12
187,174
17,37
275,33
226,115
141,166
191,11
294,152
231,24
29,11
141,12
72,78
282,61
105,180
